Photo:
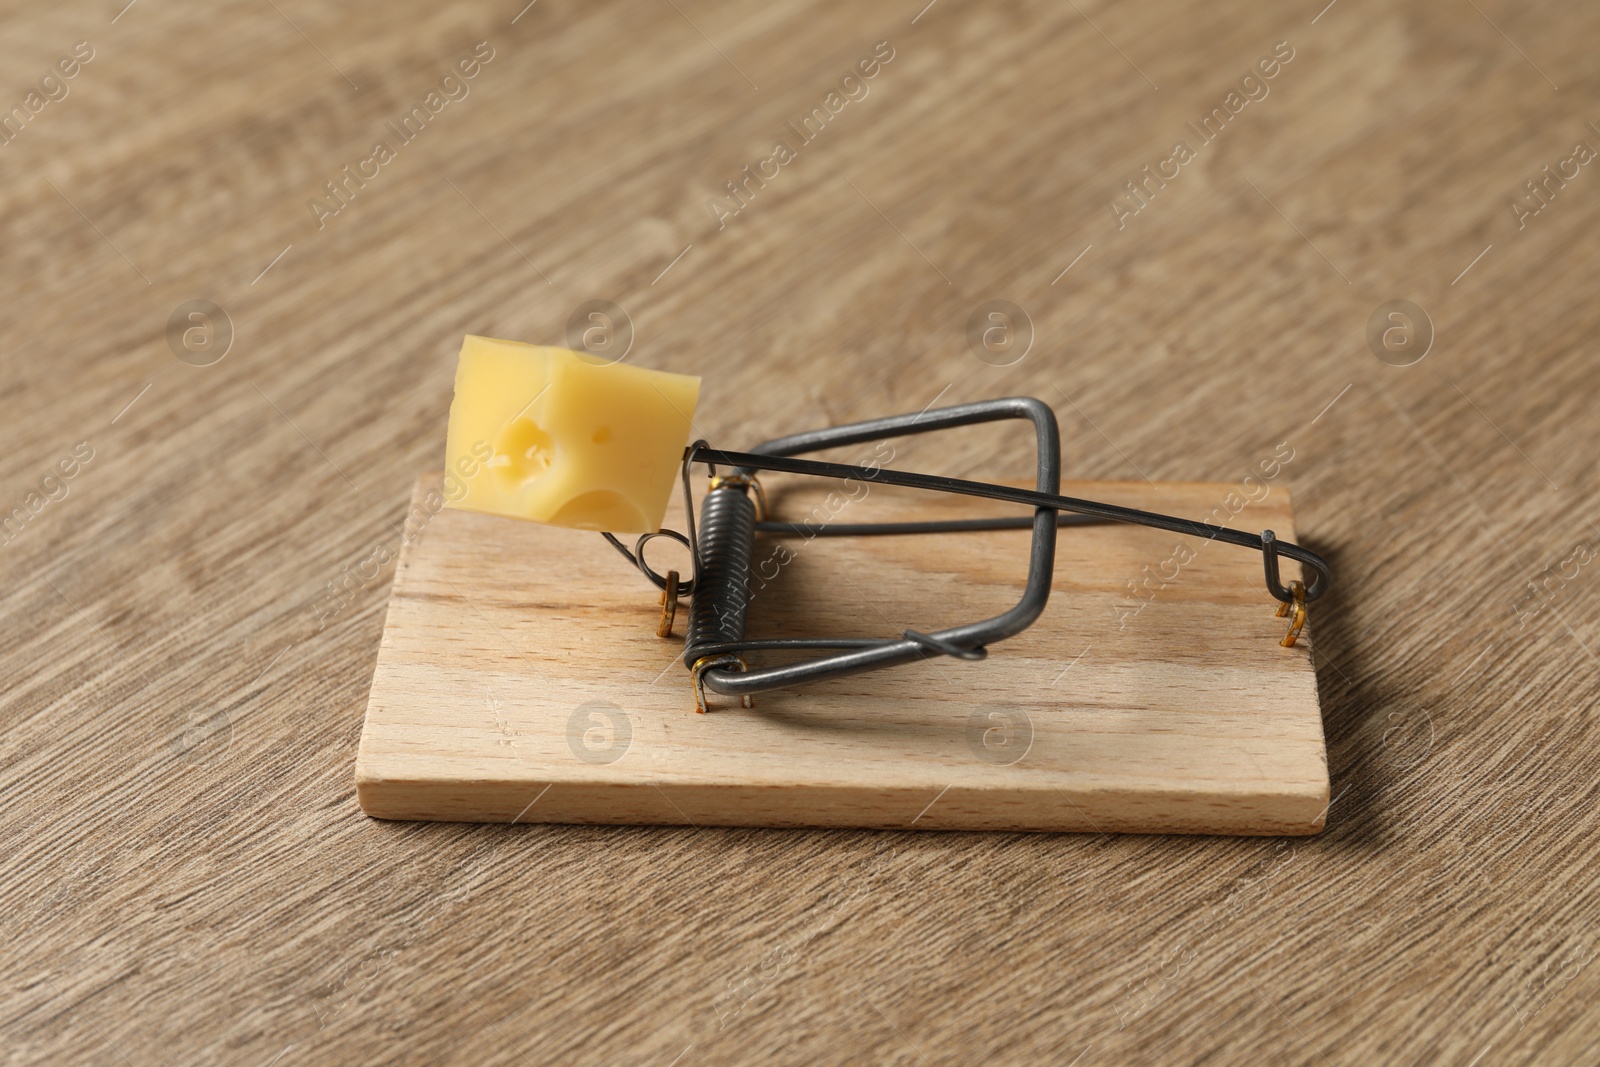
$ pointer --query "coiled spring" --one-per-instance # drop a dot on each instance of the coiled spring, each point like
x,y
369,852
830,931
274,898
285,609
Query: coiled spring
x,y
727,532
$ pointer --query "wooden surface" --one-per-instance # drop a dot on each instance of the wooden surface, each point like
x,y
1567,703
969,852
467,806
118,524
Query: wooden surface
x,y
504,695
186,874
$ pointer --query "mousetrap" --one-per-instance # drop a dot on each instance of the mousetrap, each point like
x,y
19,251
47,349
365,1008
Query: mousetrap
x,y
852,645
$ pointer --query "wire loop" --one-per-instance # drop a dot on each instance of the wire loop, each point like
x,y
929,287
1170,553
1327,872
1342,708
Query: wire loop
x,y
636,557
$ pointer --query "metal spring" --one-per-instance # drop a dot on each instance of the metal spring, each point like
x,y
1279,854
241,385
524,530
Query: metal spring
x,y
727,532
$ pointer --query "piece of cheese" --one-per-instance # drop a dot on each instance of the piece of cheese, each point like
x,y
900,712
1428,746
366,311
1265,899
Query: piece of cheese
x,y
557,437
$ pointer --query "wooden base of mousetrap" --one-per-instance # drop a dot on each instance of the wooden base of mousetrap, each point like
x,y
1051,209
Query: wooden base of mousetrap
x,y
520,679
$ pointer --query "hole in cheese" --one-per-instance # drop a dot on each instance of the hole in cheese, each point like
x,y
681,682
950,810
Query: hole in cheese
x,y
598,509
523,453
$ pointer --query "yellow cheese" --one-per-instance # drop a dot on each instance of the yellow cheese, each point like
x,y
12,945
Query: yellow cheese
x,y
557,437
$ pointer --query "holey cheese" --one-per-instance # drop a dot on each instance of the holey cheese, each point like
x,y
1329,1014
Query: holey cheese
x,y
560,438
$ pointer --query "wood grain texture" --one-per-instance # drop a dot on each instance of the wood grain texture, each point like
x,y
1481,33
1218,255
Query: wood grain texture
x,y
186,874
520,679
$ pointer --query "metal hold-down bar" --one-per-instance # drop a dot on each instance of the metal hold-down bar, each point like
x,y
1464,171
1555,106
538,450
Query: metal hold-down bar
x,y
1266,542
